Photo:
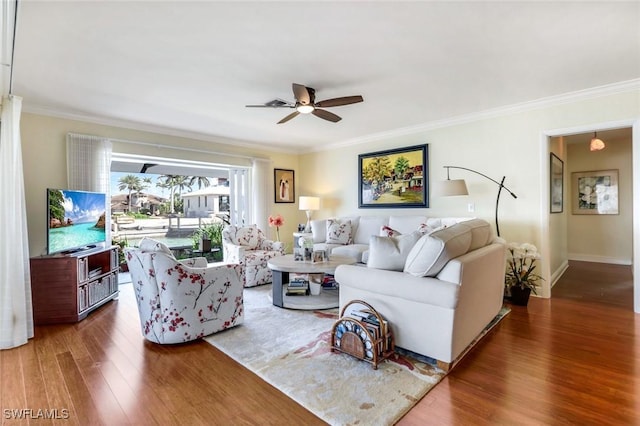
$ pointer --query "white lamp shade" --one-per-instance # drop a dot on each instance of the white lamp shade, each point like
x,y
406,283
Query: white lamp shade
x,y
309,203
451,187
596,144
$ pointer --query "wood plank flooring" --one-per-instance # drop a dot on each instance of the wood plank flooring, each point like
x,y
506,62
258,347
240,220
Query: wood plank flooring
x,y
573,359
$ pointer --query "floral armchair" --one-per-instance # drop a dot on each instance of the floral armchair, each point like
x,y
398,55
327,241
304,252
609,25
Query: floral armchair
x,y
249,247
179,301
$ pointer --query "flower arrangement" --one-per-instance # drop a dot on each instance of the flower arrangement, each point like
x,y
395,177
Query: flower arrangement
x,y
276,221
520,267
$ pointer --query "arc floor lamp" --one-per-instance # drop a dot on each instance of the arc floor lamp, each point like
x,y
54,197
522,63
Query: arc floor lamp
x,y
454,187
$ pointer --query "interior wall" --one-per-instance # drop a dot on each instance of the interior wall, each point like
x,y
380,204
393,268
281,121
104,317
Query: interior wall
x,y
602,238
45,165
558,221
504,145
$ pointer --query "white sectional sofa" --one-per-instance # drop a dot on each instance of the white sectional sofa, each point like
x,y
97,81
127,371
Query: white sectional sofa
x,y
440,293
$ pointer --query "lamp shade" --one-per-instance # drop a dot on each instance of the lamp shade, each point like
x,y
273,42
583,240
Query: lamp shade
x,y
309,203
451,187
596,144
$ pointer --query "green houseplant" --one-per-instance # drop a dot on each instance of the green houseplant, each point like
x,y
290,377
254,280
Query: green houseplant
x,y
208,237
520,279
121,243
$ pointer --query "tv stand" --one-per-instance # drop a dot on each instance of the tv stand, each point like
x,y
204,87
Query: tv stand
x,y
66,288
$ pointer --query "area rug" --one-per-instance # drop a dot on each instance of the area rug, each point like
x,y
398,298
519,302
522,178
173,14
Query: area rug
x,y
290,349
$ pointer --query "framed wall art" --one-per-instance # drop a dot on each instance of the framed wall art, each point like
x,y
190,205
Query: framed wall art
x,y
595,192
556,182
394,178
284,186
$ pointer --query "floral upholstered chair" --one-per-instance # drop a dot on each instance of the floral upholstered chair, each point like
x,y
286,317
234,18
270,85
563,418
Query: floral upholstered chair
x,y
179,301
249,247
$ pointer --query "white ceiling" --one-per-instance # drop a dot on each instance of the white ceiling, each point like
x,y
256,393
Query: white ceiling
x,y
191,67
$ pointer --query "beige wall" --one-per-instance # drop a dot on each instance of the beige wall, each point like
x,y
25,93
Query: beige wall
x,y
601,238
512,145
558,259
44,159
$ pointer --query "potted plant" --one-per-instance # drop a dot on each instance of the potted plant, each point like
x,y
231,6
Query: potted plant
x,y
208,237
121,243
520,279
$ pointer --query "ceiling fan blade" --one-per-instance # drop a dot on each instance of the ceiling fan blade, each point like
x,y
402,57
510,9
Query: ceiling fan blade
x,y
276,103
302,94
347,100
289,117
326,115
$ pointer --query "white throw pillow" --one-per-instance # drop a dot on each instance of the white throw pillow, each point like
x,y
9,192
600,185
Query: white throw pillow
x,y
432,251
338,232
391,253
425,229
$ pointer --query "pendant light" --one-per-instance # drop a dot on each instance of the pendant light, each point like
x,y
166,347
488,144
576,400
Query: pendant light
x,y
596,144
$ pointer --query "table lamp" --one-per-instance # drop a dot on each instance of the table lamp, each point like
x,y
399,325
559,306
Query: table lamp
x,y
309,204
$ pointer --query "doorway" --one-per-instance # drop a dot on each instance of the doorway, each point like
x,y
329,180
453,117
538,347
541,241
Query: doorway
x,y
558,229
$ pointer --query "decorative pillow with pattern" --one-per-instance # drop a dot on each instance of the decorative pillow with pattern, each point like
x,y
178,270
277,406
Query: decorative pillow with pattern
x,y
386,231
248,236
338,232
149,244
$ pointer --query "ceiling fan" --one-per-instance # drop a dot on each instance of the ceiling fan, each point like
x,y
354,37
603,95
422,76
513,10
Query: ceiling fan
x,y
306,103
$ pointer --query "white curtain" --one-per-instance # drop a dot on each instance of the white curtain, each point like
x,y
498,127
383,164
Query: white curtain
x,y
238,197
89,166
16,314
260,193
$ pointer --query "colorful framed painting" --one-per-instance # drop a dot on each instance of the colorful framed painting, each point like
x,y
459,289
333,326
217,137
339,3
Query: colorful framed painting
x,y
394,178
284,186
595,192
556,182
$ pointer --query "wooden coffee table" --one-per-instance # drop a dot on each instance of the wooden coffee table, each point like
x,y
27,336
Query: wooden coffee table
x,y
282,266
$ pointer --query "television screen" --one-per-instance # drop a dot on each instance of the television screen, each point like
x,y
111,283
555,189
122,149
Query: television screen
x,y
76,220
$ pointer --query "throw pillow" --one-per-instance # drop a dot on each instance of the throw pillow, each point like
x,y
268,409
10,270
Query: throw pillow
x,y
391,253
248,237
432,251
338,232
386,231
425,229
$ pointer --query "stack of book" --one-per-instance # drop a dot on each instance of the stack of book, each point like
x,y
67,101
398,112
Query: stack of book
x,y
329,282
298,286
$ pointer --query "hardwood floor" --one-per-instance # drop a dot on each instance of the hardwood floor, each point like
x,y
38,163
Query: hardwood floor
x,y
566,360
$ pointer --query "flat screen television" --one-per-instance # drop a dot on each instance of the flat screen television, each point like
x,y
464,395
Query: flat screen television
x,y
76,220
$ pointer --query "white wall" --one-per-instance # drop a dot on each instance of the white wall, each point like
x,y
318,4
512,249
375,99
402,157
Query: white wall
x,y
510,144
602,238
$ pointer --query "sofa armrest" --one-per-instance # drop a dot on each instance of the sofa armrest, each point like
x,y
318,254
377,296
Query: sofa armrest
x,y
195,262
270,245
233,253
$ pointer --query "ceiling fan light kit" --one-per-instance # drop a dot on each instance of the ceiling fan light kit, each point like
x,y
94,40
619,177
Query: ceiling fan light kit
x,y
306,104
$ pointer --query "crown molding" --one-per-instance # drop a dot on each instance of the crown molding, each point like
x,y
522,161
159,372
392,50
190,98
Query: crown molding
x,y
165,131
580,95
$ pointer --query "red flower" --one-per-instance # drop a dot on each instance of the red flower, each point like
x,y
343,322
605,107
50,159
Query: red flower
x,y
276,221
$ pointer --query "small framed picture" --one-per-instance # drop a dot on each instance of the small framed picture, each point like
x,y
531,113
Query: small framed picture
x,y
298,254
308,254
319,256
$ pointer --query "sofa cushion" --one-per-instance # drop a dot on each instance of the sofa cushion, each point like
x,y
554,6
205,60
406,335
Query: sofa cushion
x,y
248,236
319,230
351,250
339,231
432,251
391,253
368,226
481,233
406,224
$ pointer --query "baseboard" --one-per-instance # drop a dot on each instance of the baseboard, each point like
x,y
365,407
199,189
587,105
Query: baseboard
x,y
598,259
555,276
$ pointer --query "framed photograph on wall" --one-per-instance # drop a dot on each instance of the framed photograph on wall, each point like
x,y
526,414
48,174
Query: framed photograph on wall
x,y
394,178
595,192
284,186
556,184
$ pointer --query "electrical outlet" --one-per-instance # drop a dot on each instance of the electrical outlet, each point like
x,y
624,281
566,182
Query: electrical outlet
x,y
471,207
